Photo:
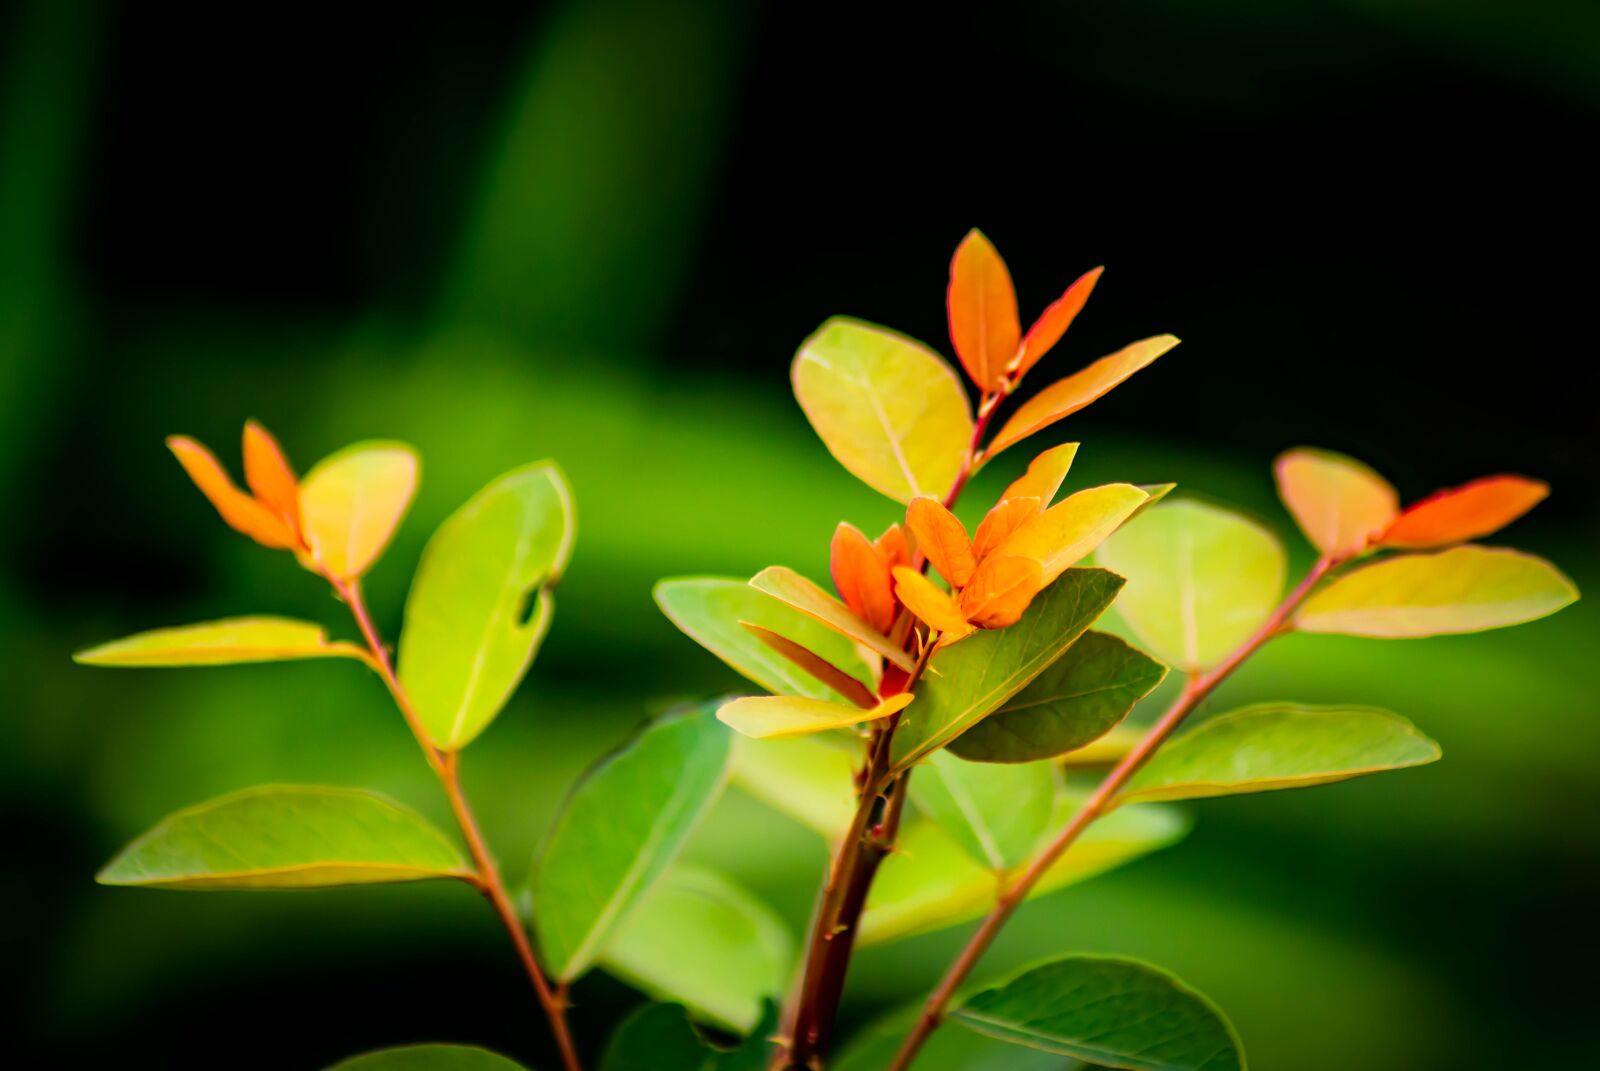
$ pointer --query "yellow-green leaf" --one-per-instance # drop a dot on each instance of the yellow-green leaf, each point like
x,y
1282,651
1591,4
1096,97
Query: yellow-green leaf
x,y
1338,502
788,586
1201,579
765,716
287,837
809,778
1276,746
230,641
352,501
888,408
1070,530
1465,589
996,813
481,602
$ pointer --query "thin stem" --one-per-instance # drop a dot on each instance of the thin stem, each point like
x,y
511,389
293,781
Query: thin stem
x,y
447,765
1195,691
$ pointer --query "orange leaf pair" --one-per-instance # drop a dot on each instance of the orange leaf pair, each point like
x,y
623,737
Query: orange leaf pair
x,y
863,572
271,513
984,327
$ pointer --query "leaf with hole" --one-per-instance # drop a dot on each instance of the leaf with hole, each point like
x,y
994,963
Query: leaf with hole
x,y
230,641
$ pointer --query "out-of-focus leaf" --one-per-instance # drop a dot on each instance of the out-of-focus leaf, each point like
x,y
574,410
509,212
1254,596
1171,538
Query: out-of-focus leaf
x,y
1070,530
975,677
618,830
1106,751
996,813
1078,699
481,603
1108,1011
889,409
1338,502
815,665
268,475
1054,321
659,1037
1066,396
229,641
766,716
1467,512
429,1058
352,501
809,778
701,939
1279,745
238,510
983,311
1464,589
1200,580
874,1049
286,837
711,611
941,536
789,586
930,882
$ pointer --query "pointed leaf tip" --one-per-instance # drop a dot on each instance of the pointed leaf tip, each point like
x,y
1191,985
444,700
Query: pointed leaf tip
x,y
982,306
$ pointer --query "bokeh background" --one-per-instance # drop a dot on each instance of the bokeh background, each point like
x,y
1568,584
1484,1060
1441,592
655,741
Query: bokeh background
x,y
597,231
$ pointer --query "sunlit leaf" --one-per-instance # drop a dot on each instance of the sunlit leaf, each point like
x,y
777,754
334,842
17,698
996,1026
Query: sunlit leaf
x,y
931,605
996,813
942,538
1465,589
1078,699
1066,396
789,586
765,716
712,611
861,576
239,510
1045,474
1054,321
268,475
888,408
1107,1011
983,311
972,678
214,643
1279,745
1467,512
1201,579
701,939
815,665
1070,530
1001,589
809,778
481,603
617,832
429,1058
351,503
1339,503
999,523
286,837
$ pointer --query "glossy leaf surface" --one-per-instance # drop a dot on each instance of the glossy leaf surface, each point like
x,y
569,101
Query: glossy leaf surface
x,y
1339,503
229,641
982,308
351,503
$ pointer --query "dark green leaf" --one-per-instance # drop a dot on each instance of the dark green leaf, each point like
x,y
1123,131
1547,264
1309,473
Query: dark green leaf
x,y
946,1050
429,1058
657,1037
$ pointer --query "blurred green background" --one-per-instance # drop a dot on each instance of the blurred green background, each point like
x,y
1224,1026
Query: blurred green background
x,y
597,231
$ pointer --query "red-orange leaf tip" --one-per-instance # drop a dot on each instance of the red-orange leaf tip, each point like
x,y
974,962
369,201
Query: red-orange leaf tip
x,y
1466,512
982,307
237,509
1053,323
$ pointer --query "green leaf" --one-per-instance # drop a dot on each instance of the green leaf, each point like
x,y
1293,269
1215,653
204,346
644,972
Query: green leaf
x,y
812,600
888,408
1111,1012
1078,699
657,1037
931,882
1201,579
995,813
766,717
874,1048
286,837
618,830
708,609
701,939
809,778
481,602
1465,589
429,1058
970,679
230,641
1279,745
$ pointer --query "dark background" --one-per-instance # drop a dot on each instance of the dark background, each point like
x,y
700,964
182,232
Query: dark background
x,y
597,231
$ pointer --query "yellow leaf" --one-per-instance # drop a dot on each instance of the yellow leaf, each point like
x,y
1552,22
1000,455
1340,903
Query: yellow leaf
x,y
215,643
1338,502
1044,475
351,503
764,716
889,409
933,607
785,584
1066,396
942,538
1070,530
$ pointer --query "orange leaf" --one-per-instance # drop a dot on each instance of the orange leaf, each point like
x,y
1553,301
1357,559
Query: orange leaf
x,y
1006,517
1071,529
861,576
933,607
942,538
1053,323
1338,502
267,472
1466,512
894,546
1000,590
239,510
1044,475
983,311
1066,396
816,665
